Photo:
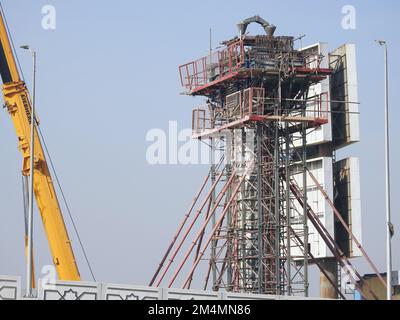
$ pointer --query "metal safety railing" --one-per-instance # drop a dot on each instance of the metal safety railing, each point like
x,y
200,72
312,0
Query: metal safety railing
x,y
313,61
200,120
318,106
214,67
250,102
246,102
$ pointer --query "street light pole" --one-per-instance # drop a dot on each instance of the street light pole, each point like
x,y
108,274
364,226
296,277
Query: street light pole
x,y
389,226
29,280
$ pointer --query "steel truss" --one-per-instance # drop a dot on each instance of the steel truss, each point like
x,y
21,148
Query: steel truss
x,y
253,237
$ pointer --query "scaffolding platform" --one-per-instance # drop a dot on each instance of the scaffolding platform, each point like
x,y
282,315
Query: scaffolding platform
x,y
310,121
237,62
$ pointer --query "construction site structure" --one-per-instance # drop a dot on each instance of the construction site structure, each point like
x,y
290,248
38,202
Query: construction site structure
x,y
274,117
278,199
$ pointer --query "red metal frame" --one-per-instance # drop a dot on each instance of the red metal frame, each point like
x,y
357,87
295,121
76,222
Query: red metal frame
x,y
199,120
250,103
253,101
320,110
347,228
317,71
189,228
330,241
214,230
323,106
203,227
181,226
222,65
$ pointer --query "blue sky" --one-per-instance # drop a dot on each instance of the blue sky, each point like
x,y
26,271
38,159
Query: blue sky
x,y
109,73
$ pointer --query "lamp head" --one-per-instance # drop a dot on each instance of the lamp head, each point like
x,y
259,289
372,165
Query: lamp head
x,y
381,42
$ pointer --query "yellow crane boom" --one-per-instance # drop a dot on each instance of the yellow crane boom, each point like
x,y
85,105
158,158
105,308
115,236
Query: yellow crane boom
x,y
17,102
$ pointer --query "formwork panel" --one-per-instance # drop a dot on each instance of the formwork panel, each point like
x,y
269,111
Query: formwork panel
x,y
348,202
344,93
321,168
319,57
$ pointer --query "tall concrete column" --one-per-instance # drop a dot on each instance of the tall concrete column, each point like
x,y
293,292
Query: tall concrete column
x,y
326,289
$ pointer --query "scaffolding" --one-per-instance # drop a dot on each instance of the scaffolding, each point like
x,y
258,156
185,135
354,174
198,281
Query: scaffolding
x,y
259,111
258,99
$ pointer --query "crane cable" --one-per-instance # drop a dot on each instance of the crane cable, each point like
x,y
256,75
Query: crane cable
x,y
49,157
11,41
66,203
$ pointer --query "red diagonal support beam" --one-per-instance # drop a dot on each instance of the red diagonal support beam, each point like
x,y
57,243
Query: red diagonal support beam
x,y
352,236
330,242
217,225
217,201
185,219
171,260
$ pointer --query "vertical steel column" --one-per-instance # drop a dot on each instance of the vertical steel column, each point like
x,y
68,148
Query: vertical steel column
x,y
305,200
213,249
243,256
276,190
260,246
212,141
288,226
229,228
